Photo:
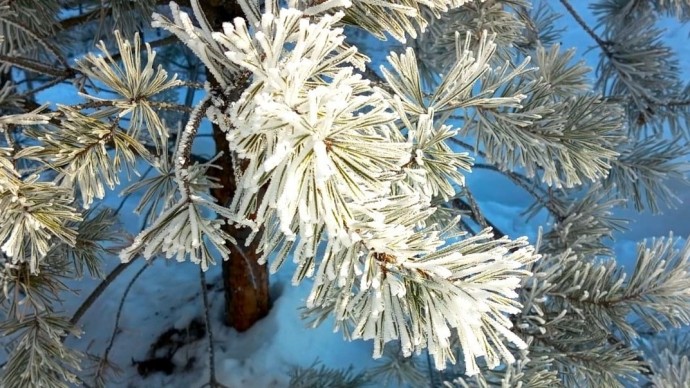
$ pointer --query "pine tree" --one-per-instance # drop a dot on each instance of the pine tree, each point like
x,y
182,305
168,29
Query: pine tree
x,y
357,174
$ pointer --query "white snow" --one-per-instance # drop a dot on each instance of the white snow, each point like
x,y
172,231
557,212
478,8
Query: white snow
x,y
167,296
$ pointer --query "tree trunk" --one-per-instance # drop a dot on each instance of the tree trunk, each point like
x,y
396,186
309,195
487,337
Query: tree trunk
x,y
244,280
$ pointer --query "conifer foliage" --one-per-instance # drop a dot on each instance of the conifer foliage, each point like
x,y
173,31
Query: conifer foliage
x,y
357,175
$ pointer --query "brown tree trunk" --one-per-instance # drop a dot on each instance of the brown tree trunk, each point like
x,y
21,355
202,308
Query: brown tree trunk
x,y
244,280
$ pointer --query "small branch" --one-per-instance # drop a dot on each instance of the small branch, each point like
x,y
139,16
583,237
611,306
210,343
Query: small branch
x,y
212,382
93,104
474,208
108,348
678,103
604,46
37,67
44,86
99,13
522,182
96,293
518,179
584,25
170,106
184,152
462,205
40,40
86,17
195,85
154,104
468,147
105,139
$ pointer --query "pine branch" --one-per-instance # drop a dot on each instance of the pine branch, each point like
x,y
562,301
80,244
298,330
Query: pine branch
x,y
326,377
373,161
36,37
469,147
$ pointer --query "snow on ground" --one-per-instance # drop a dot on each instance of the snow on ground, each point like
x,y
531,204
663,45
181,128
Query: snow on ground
x,y
167,298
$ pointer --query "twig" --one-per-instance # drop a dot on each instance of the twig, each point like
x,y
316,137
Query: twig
x,y
37,67
194,85
513,176
97,292
119,314
154,104
97,13
93,104
170,106
40,40
83,18
44,86
522,182
462,205
474,208
431,370
604,46
469,147
184,152
678,103
212,382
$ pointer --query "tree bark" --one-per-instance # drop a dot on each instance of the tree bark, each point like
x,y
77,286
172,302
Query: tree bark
x,y
244,280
